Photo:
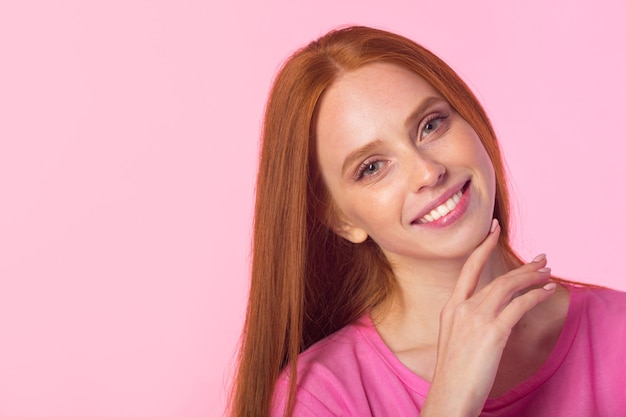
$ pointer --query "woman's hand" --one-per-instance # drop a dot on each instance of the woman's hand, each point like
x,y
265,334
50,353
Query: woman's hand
x,y
474,329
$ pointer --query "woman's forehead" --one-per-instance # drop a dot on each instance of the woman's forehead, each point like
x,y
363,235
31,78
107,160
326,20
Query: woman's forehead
x,y
361,97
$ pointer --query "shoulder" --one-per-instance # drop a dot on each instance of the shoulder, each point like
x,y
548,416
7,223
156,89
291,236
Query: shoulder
x,y
335,358
600,300
601,312
328,375
595,365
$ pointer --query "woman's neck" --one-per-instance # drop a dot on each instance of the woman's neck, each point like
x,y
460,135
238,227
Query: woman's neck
x,y
409,321
422,289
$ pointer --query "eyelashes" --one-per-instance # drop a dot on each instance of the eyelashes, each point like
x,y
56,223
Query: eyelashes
x,y
368,168
430,125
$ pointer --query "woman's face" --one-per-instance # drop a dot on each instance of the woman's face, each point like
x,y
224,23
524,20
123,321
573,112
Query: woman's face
x,y
402,166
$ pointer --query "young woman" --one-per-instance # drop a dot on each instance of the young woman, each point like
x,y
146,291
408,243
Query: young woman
x,y
383,280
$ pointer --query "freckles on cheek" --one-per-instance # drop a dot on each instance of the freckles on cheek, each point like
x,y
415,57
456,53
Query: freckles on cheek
x,y
370,206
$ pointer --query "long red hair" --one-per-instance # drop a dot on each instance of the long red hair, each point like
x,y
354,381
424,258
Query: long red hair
x,y
307,282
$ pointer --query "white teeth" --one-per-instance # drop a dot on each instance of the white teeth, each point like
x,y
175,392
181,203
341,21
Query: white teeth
x,y
443,209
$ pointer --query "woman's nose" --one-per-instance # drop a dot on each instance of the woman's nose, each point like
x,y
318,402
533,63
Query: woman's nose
x,y
426,171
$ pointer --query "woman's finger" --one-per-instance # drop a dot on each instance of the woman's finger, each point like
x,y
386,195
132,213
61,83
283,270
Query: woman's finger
x,y
519,306
504,289
470,273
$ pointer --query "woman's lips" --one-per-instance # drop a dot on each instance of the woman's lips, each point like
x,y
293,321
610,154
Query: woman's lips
x,y
447,211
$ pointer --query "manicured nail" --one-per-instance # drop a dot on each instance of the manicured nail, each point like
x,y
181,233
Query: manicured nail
x,y
539,258
544,270
549,286
494,224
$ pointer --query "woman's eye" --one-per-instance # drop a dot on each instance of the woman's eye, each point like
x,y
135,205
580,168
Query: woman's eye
x,y
369,168
430,126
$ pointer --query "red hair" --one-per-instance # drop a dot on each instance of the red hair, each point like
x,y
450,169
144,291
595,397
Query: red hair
x,y
307,282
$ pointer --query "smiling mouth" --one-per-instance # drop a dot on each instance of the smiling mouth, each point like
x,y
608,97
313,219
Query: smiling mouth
x,y
444,208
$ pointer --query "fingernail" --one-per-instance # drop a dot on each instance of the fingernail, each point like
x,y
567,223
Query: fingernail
x,y
549,286
540,257
544,270
494,224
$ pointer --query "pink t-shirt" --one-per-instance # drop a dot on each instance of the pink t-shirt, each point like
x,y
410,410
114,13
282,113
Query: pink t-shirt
x,y
353,372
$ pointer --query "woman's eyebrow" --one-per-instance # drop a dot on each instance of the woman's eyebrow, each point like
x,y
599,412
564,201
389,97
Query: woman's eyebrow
x,y
420,109
359,154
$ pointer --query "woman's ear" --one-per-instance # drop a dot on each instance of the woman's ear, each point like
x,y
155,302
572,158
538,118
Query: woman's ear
x,y
349,231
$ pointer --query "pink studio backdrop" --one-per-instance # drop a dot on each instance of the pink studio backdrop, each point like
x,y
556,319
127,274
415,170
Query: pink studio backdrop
x,y
128,141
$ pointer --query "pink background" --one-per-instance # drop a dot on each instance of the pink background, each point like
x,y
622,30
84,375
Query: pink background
x,y
128,141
